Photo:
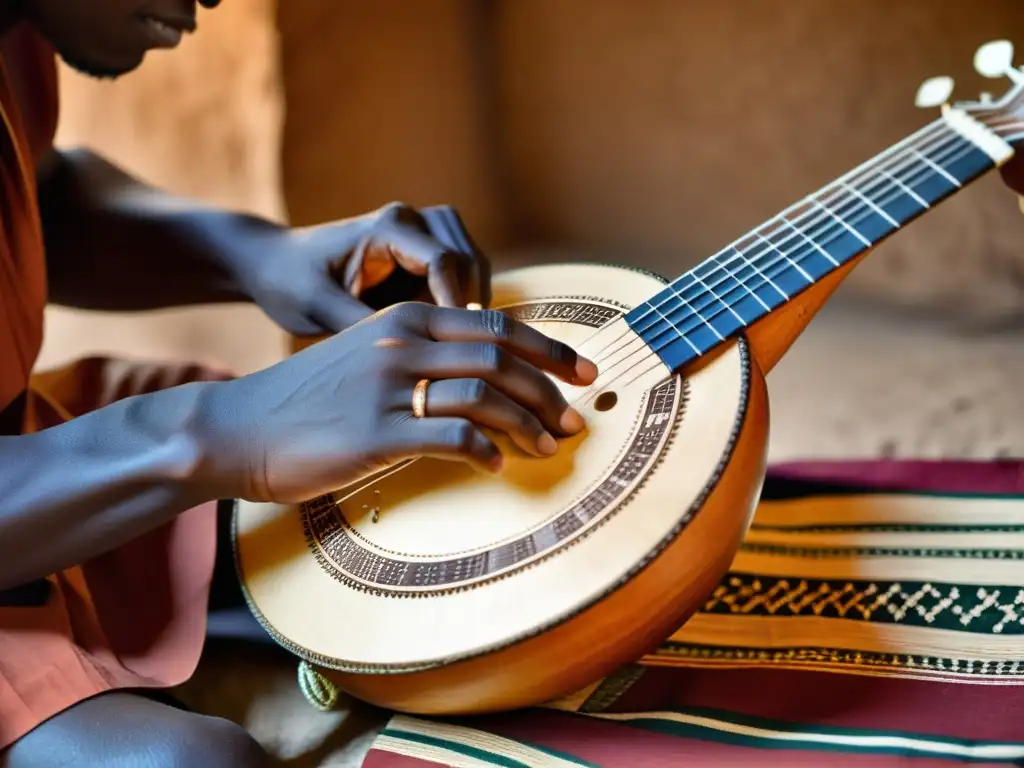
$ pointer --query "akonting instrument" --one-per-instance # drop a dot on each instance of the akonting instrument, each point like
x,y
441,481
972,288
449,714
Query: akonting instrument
x,y
433,588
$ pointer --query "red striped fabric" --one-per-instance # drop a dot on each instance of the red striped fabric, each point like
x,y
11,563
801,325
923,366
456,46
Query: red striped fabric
x,y
985,712
701,716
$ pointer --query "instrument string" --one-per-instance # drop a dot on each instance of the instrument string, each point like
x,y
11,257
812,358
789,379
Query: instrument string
x,y
792,257
999,125
913,142
741,254
787,255
923,139
369,480
1013,124
850,215
785,258
648,350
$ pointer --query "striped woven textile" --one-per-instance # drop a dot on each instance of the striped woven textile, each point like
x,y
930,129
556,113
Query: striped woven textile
x,y
874,616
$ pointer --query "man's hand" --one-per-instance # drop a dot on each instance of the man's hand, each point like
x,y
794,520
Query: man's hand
x,y
343,408
115,243
323,279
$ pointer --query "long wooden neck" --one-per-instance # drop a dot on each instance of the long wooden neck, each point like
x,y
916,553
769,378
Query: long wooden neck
x,y
767,269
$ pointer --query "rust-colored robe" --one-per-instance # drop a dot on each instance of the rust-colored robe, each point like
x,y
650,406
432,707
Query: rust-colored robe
x,y
134,617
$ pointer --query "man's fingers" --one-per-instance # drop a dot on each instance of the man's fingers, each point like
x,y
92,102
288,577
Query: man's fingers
x,y
446,226
433,243
492,326
444,438
487,406
446,279
420,254
504,371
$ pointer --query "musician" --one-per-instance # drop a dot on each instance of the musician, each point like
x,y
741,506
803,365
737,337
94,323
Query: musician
x,y
109,470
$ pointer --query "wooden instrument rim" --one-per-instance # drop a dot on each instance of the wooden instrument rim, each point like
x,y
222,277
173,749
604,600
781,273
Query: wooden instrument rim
x,y
694,509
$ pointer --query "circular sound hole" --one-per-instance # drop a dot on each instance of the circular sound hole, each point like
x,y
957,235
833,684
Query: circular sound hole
x,y
606,401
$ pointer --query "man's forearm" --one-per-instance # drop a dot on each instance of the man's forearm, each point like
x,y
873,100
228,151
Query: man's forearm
x,y
85,487
114,243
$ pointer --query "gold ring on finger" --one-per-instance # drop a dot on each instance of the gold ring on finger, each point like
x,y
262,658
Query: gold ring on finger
x,y
419,398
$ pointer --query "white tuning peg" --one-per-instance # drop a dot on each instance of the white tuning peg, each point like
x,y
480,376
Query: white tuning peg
x,y
934,92
994,59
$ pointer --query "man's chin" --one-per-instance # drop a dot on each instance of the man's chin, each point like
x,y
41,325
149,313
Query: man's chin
x,y
95,70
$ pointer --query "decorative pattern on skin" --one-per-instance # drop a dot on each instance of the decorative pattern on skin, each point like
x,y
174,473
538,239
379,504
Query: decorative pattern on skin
x,y
335,544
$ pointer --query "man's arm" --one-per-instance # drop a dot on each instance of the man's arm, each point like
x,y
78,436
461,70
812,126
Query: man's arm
x,y
80,489
115,243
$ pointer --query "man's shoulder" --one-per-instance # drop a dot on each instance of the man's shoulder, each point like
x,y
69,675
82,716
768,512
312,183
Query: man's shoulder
x,y
30,66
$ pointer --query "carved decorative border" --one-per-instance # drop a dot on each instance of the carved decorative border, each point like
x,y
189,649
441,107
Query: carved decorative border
x,y
339,551
351,667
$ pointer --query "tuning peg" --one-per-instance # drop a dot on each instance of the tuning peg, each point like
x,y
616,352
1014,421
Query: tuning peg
x,y
934,92
994,59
